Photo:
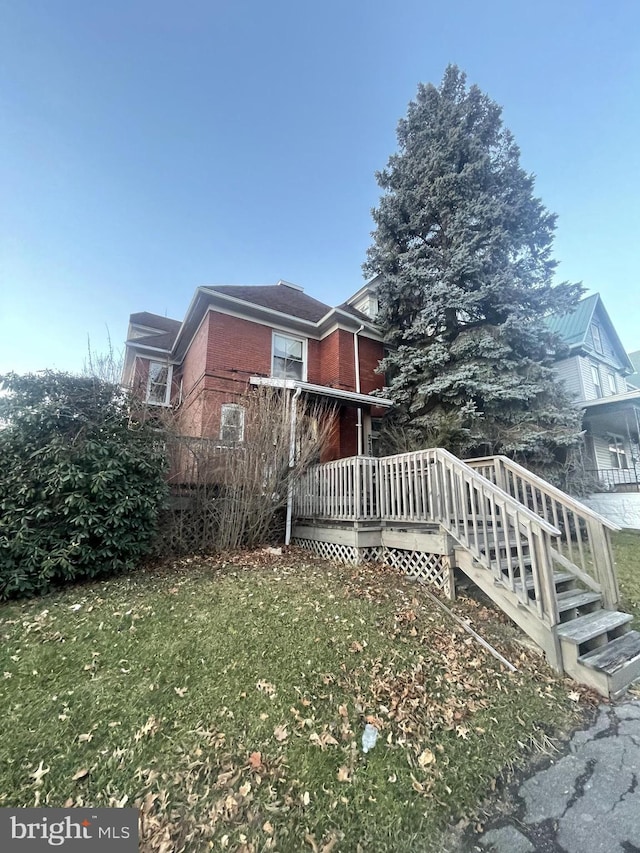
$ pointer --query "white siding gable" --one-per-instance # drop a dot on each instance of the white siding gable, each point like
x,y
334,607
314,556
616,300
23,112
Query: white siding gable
x,y
568,372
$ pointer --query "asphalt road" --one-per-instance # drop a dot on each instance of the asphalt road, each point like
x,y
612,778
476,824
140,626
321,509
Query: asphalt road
x,y
587,801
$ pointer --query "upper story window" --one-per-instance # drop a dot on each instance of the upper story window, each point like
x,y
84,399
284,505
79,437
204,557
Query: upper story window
x,y
159,383
288,360
613,388
597,339
231,423
597,384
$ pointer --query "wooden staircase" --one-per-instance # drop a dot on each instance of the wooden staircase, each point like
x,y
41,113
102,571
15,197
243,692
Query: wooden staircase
x,y
544,558
593,640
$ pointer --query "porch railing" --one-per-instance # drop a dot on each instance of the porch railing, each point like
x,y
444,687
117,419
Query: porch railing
x,y
434,486
609,478
583,545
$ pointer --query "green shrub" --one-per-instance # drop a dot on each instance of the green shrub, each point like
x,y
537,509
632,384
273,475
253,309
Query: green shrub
x,y
80,492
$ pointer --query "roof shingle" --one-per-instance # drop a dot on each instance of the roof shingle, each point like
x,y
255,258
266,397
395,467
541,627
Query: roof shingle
x,y
278,297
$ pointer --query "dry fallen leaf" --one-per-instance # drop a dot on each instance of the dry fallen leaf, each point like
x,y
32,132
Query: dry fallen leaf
x,y
574,696
280,733
330,845
311,842
426,757
80,774
255,760
181,691
416,785
266,687
244,789
267,827
39,773
323,740
344,774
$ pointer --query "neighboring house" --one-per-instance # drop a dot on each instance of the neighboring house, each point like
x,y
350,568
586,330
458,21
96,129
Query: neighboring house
x,y
633,381
233,337
596,373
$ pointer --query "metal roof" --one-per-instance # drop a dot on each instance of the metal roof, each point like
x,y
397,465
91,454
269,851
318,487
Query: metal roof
x,y
573,327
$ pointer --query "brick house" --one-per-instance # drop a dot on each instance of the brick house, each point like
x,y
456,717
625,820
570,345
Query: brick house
x,y
233,337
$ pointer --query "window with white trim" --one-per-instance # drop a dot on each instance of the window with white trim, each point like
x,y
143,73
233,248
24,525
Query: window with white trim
x,y
618,452
613,388
159,383
231,423
596,338
288,359
597,384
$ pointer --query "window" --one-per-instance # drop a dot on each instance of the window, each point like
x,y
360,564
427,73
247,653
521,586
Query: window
x,y
231,423
597,385
288,357
597,340
618,453
612,384
159,383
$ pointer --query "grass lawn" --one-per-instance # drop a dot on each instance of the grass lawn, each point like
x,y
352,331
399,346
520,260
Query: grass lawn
x,y
229,699
626,547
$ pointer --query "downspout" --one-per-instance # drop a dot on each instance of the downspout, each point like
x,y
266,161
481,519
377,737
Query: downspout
x,y
356,355
292,462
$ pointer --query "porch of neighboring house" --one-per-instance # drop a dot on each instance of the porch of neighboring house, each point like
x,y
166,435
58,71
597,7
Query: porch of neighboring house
x,y
613,442
544,558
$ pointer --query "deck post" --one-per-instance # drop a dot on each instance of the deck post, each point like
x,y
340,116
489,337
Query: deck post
x,y
604,564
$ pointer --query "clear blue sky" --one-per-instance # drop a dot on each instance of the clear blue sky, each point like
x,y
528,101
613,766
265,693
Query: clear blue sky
x,y
148,147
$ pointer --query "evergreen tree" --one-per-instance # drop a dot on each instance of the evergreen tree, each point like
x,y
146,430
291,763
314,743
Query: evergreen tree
x,y
462,249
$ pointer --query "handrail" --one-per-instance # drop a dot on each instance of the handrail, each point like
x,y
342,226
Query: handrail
x,y
544,524
435,486
549,488
584,544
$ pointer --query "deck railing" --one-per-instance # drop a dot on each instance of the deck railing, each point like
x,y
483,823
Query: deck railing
x,y
583,545
433,486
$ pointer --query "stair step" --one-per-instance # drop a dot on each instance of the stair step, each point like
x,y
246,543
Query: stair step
x,y
592,625
558,578
515,562
617,653
575,598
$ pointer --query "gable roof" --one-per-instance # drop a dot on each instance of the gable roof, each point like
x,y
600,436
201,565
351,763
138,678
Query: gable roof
x,y
573,327
155,332
155,321
162,342
281,297
356,313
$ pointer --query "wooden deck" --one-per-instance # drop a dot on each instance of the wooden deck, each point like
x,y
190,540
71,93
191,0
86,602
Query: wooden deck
x,y
542,556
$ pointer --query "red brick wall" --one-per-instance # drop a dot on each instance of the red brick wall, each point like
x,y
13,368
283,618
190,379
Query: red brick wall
x,y
338,362
314,366
371,353
226,351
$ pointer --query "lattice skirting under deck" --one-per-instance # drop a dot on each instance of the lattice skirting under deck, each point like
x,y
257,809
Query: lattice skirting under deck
x,y
341,553
433,569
